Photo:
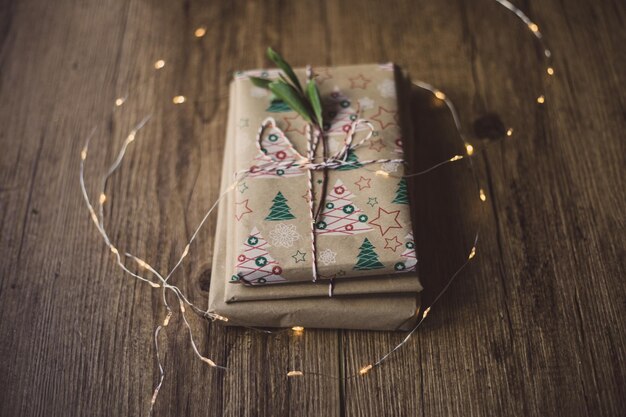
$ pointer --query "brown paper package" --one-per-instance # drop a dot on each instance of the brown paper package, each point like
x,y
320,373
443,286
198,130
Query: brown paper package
x,y
386,302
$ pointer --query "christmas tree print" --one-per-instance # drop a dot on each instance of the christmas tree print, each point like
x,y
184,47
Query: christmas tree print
x,y
401,193
339,113
409,262
340,216
280,210
276,149
367,258
254,264
352,162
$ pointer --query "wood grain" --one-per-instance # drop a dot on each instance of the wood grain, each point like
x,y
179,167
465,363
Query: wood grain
x,y
535,327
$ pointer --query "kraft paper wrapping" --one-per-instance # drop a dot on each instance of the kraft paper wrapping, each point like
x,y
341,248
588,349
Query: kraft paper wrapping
x,y
385,284
365,225
380,303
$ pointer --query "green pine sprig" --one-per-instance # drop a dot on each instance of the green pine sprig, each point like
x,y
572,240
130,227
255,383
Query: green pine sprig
x,y
306,102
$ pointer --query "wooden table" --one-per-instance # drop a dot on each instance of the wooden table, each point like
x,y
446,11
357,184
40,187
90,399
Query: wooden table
x,y
535,327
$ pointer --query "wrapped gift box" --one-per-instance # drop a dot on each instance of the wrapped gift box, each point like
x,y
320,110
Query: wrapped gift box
x,y
364,234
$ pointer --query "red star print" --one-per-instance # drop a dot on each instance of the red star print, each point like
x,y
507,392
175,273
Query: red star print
x,y
392,243
241,209
363,183
291,123
306,196
322,74
380,117
377,145
386,220
359,82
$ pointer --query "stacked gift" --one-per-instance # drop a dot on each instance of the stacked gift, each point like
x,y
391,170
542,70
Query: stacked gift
x,y
316,231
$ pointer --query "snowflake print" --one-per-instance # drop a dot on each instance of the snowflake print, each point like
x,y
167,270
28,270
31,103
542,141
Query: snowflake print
x,y
327,257
387,88
390,166
366,103
284,235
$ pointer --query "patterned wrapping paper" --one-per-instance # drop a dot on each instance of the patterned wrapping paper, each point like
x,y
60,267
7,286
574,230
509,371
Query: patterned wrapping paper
x,y
365,227
381,285
302,303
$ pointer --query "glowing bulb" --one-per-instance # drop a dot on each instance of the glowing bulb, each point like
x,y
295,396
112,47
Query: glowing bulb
x,y
218,317
456,158
200,32
114,250
83,154
297,329
103,198
365,369
185,252
119,101
295,373
509,132
159,64
209,361
154,284
426,313
178,99
472,253
541,99
167,319
382,173
533,27
131,137
550,71
440,95
469,148
483,196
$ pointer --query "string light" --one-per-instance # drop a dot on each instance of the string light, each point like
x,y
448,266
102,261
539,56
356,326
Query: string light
x,y
365,369
482,195
218,317
183,301
382,173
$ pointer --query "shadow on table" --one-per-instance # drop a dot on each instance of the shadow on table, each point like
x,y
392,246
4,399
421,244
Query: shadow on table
x,y
445,209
